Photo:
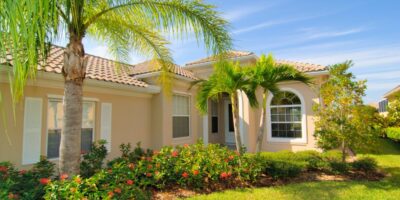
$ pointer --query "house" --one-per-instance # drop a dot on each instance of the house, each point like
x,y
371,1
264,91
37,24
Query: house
x,y
387,98
126,104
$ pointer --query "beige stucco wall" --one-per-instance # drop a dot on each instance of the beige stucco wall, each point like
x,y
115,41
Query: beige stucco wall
x,y
131,121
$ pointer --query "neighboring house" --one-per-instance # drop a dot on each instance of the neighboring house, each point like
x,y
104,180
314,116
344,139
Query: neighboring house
x,y
126,104
387,98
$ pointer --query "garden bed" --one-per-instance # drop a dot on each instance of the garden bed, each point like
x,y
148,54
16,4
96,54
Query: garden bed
x,y
180,172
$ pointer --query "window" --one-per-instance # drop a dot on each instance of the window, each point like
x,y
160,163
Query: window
x,y
383,105
180,116
55,122
214,117
286,115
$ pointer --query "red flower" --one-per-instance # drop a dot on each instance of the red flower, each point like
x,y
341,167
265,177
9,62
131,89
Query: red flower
x,y
72,190
226,160
174,153
44,181
231,157
186,145
156,172
78,180
22,172
229,174
12,196
3,169
237,153
117,190
155,152
149,159
110,194
149,174
109,171
149,166
131,165
185,175
129,182
195,172
223,175
63,176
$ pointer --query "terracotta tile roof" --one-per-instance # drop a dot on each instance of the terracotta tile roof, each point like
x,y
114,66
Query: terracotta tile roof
x,y
230,54
151,66
303,67
103,69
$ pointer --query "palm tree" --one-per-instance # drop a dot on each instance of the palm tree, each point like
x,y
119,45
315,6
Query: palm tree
x,y
228,78
268,74
30,26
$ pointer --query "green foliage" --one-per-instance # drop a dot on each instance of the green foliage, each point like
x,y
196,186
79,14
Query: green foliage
x,y
93,160
24,184
124,25
394,112
366,164
338,167
130,156
343,121
393,133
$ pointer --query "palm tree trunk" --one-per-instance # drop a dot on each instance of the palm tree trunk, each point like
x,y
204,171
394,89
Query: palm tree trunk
x,y
235,113
263,118
74,73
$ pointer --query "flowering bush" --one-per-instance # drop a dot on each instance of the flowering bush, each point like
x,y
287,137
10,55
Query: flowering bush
x,y
24,184
93,161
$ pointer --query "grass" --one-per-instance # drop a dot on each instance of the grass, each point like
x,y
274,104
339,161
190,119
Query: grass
x,y
387,155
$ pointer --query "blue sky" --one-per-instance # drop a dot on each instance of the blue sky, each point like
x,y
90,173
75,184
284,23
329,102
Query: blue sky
x,y
315,31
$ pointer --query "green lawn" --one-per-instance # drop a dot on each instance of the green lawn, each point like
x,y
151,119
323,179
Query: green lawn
x,y
388,157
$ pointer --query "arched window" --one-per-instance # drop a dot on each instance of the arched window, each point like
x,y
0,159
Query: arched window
x,y
286,116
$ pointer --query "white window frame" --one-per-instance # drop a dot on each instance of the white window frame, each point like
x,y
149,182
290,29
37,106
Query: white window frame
x,y
60,98
303,138
189,115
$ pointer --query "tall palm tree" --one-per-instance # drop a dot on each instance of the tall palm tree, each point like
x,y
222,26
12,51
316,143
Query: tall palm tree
x,y
268,74
228,78
29,26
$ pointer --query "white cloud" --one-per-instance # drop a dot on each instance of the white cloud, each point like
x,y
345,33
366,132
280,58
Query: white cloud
x,y
316,34
268,24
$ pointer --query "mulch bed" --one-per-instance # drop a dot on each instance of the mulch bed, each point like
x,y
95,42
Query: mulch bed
x,y
174,192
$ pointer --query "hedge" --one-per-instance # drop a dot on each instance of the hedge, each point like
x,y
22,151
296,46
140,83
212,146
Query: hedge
x,y
393,133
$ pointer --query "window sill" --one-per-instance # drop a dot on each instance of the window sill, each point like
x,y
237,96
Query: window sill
x,y
287,141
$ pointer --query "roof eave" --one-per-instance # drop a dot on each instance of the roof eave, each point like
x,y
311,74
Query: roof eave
x,y
158,73
391,92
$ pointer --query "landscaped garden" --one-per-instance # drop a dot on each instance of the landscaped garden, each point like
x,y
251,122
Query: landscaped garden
x,y
188,170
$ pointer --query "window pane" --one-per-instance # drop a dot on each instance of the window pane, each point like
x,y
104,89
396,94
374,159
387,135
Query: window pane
x,y
53,143
214,108
214,124
180,127
230,118
55,114
88,115
286,130
180,105
86,139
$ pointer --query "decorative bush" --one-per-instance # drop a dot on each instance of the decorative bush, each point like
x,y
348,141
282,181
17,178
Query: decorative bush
x,y
93,161
283,169
338,167
365,164
25,184
393,133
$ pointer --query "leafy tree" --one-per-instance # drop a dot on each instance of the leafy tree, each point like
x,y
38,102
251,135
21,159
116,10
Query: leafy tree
x,y
342,120
394,112
30,26
228,78
268,74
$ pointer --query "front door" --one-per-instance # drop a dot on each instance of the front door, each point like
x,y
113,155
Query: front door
x,y
229,130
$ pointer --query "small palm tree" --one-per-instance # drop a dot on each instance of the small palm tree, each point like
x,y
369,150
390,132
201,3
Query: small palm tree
x,y
228,78
30,26
268,74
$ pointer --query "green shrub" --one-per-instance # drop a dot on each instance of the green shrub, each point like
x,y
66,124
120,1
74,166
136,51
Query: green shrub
x,y
332,156
338,167
93,161
282,169
393,133
130,156
25,184
365,164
